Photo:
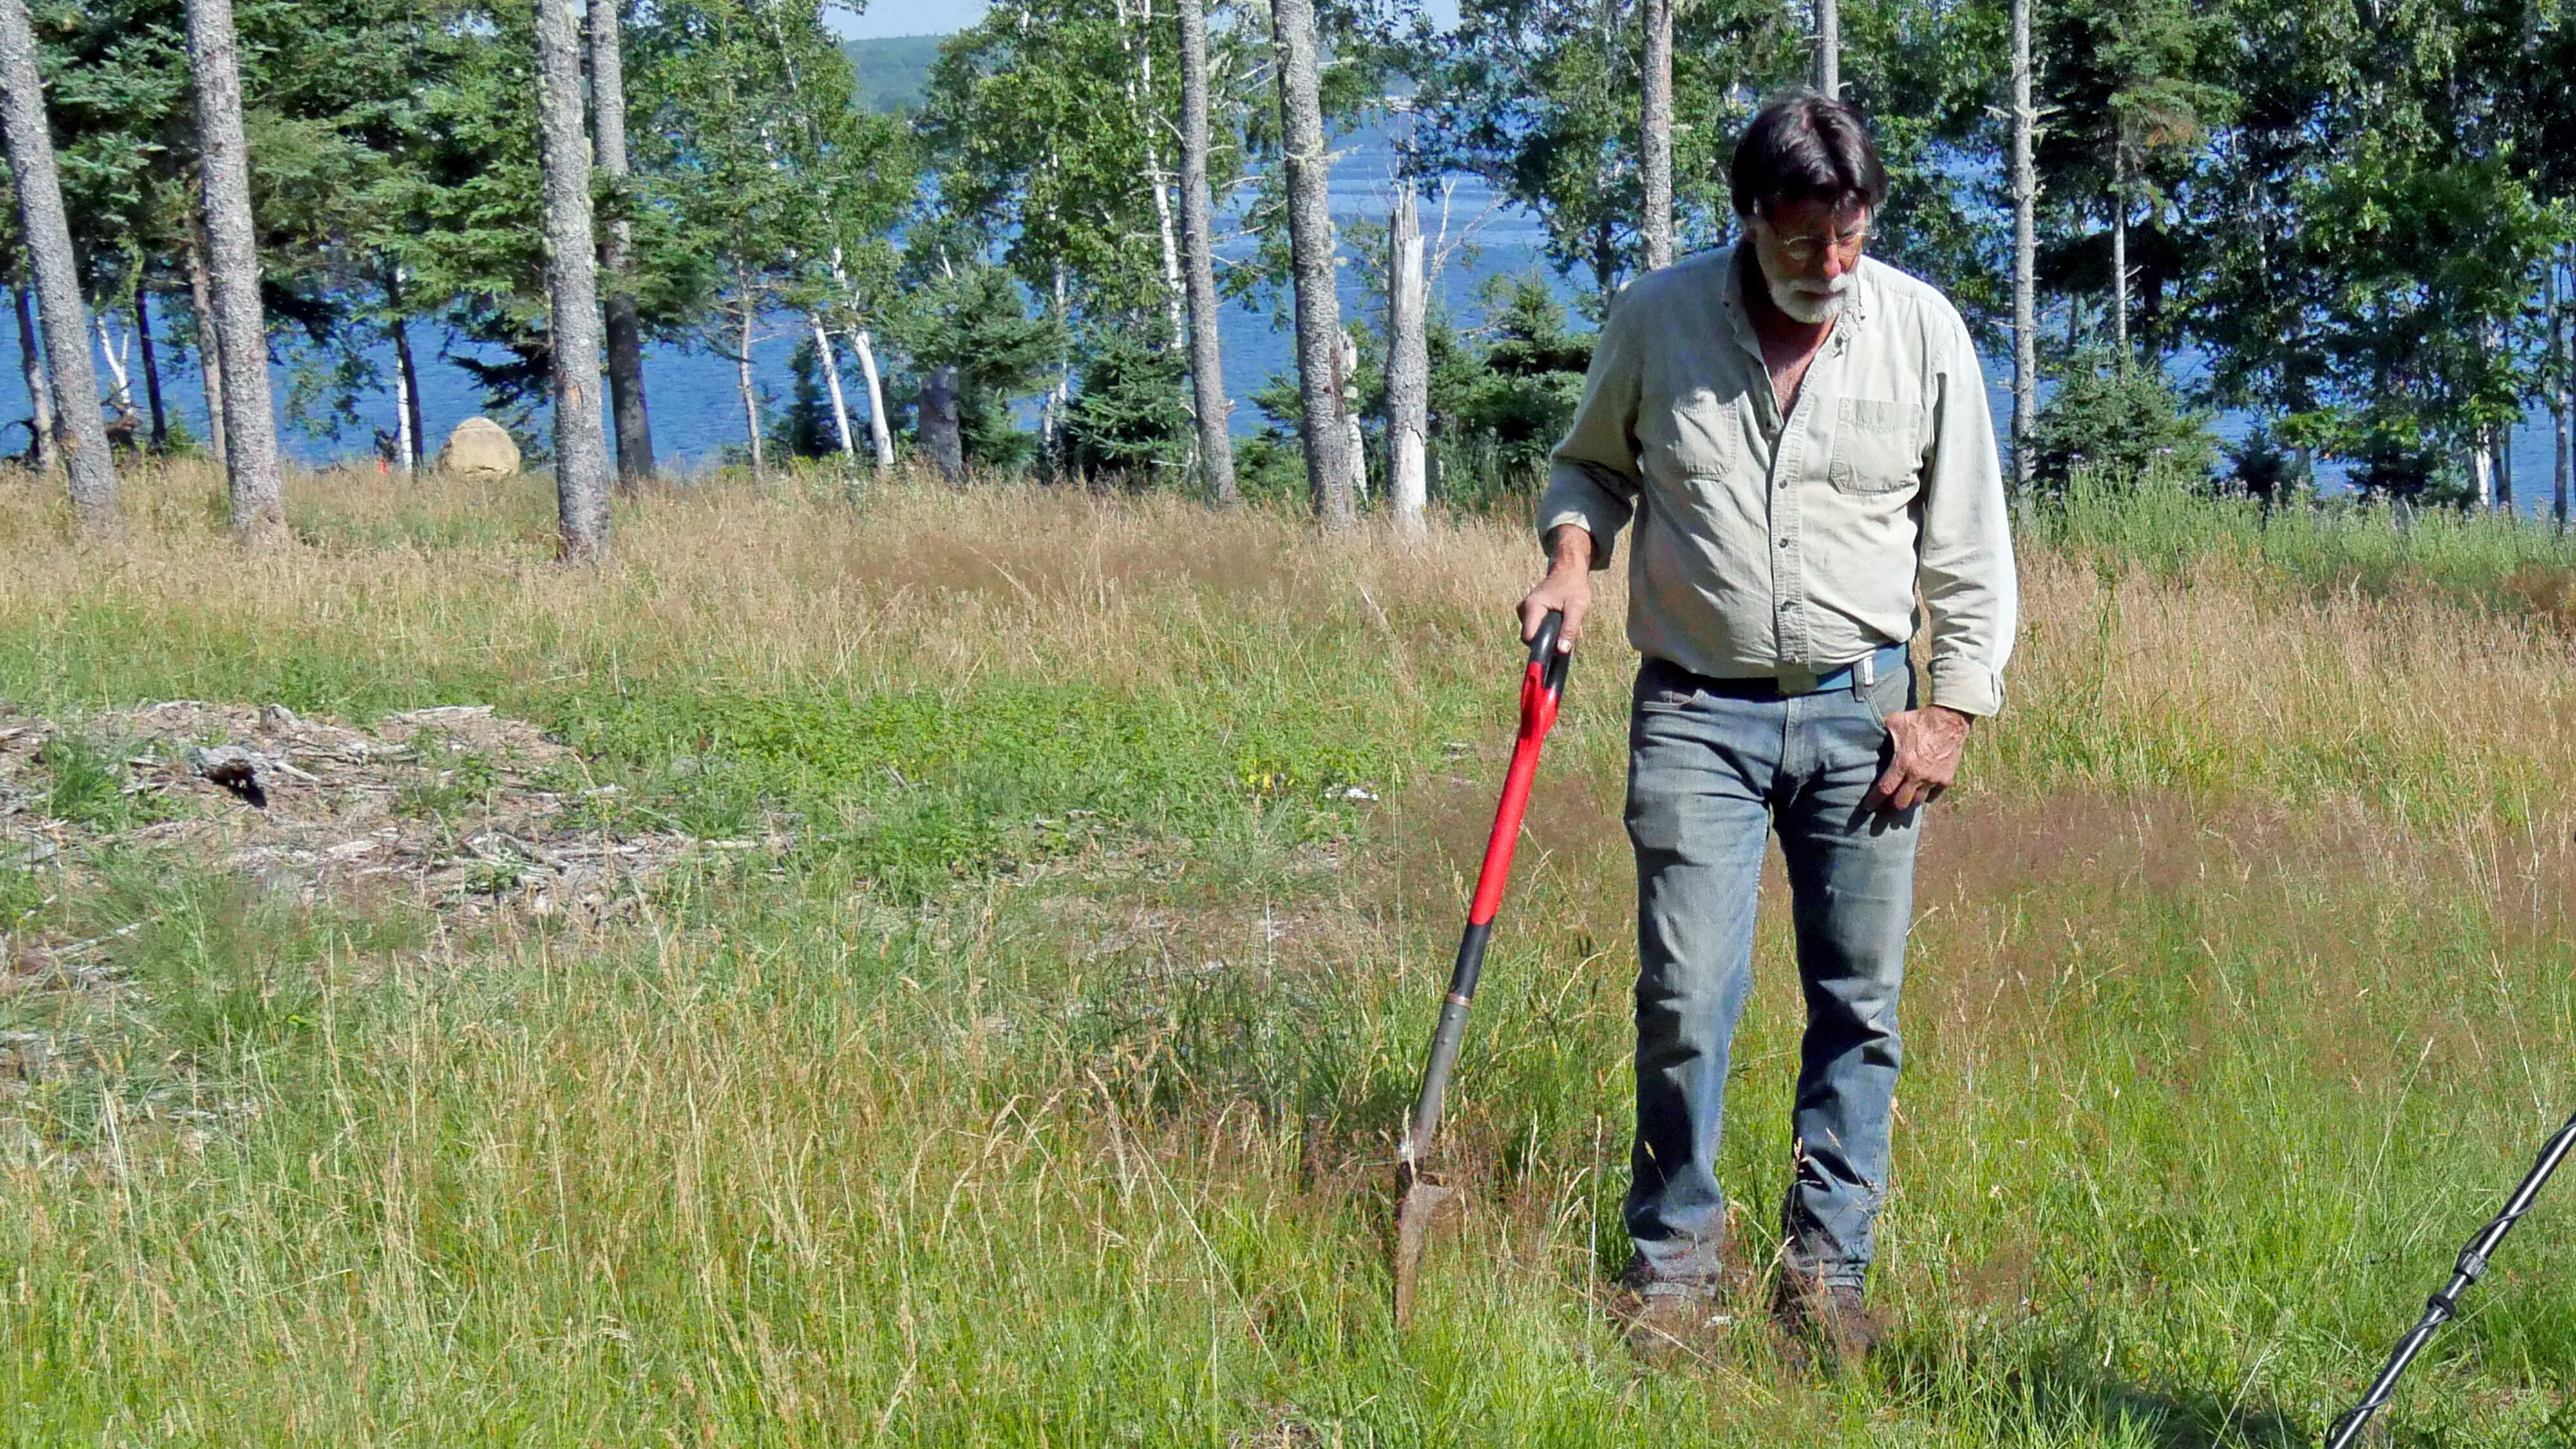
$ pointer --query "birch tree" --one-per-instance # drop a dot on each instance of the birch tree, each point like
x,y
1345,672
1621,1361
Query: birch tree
x,y
80,437
617,242
572,287
1207,366
241,322
1330,476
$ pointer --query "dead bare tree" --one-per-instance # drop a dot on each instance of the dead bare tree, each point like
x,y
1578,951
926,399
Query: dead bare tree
x,y
1408,367
241,324
572,287
80,435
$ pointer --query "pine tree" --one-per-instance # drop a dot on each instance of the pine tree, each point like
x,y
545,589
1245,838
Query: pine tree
x,y
1207,369
581,451
79,435
1331,477
241,323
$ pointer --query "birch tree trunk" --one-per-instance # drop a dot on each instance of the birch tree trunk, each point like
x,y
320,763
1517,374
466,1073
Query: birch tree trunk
x,y
941,435
241,326
40,394
1829,48
151,365
2120,262
79,435
572,288
1140,92
1310,247
120,385
832,377
2025,197
1408,368
415,441
210,350
403,434
880,436
750,395
625,328
1655,132
1207,367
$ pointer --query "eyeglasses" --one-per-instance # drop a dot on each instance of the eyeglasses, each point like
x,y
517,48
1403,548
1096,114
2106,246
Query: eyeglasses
x,y
1806,251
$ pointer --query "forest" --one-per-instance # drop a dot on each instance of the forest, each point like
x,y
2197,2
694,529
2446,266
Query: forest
x,y
2345,225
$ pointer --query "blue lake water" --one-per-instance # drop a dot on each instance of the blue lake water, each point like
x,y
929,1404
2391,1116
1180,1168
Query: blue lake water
x,y
697,413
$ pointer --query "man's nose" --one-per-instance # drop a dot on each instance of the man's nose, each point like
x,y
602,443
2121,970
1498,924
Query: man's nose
x,y
1834,263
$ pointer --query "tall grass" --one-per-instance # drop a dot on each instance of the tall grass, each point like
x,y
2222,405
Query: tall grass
x,y
1039,1086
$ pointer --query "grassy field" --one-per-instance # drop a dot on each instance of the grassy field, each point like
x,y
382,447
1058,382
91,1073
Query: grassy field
x,y
1029,1070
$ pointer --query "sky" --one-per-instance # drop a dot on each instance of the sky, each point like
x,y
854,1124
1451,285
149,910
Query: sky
x,y
906,17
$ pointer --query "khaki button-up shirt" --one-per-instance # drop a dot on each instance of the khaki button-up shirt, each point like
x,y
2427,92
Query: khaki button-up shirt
x,y
1772,546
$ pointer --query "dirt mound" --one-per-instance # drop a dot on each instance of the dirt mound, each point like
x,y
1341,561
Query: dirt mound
x,y
457,808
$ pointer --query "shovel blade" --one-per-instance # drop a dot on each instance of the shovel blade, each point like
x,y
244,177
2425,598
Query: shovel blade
x,y
1424,1201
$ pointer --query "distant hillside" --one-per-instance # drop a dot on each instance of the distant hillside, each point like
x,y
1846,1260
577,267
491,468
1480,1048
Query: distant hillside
x,y
893,70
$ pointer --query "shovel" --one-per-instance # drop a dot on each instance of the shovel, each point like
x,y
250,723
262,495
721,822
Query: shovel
x,y
1542,686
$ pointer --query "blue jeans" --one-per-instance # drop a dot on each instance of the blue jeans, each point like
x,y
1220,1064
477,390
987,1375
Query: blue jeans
x,y
1714,767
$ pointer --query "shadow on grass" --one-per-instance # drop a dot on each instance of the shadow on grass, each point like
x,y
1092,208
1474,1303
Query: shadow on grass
x,y
2068,1394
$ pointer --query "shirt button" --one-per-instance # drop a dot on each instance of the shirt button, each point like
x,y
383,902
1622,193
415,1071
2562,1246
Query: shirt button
x,y
1784,543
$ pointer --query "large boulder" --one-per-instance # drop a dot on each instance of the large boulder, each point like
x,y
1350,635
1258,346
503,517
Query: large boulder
x,y
479,448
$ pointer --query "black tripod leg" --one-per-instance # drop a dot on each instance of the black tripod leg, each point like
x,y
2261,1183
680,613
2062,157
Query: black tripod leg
x,y
2439,1308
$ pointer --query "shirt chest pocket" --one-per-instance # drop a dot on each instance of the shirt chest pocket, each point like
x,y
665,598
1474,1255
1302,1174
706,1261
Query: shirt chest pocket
x,y
1877,447
1692,437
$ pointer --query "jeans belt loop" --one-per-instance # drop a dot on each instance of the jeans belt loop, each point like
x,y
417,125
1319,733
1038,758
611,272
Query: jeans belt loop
x,y
1864,674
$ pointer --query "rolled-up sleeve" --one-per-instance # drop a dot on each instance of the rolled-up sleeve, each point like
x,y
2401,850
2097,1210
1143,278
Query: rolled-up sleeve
x,y
1592,475
1965,569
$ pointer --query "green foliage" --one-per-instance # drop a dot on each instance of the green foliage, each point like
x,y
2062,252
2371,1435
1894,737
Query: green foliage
x,y
2119,423
960,311
1129,418
1506,414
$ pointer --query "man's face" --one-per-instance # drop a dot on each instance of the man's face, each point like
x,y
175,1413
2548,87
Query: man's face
x,y
1808,251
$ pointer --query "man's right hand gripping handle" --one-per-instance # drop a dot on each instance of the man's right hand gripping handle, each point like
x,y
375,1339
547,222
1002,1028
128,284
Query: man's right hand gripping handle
x,y
1568,586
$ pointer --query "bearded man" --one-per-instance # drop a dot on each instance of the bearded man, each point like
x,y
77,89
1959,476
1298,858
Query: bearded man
x,y
1801,435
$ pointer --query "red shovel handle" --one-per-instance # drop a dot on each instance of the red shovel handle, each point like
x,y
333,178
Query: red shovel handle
x,y
1542,685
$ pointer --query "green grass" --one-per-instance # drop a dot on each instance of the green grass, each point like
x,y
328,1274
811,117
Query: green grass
x,y
1042,1089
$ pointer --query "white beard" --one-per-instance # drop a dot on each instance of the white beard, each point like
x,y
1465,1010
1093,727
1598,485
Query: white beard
x,y
1810,307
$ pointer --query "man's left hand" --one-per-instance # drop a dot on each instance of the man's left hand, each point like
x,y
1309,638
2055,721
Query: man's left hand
x,y
1928,744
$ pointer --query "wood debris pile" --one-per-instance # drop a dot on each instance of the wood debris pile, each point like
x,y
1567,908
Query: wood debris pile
x,y
455,808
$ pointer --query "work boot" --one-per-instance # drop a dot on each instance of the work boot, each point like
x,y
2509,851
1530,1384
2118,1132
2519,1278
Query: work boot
x,y
1669,1322
1823,1325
